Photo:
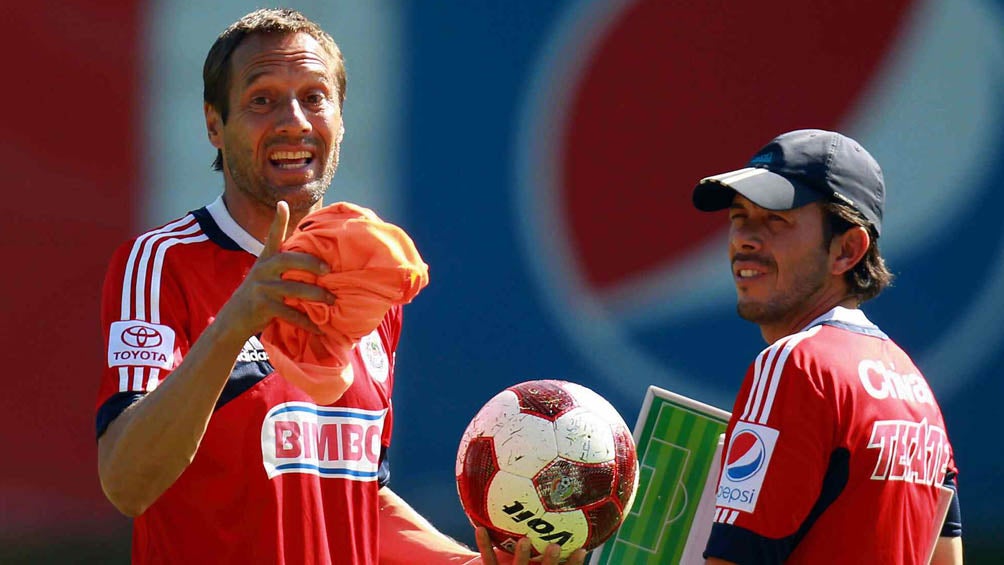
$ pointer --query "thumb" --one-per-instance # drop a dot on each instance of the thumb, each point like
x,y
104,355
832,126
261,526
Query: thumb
x,y
277,231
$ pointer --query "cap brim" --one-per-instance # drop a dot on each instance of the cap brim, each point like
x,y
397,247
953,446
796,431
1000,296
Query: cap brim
x,y
763,187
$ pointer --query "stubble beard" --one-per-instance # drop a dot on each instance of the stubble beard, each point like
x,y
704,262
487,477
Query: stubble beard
x,y
299,199
784,305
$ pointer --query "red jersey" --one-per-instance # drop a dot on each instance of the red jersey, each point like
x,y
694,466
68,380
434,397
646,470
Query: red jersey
x,y
835,452
276,479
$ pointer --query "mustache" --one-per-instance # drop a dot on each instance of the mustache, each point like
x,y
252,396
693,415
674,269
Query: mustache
x,y
308,141
752,258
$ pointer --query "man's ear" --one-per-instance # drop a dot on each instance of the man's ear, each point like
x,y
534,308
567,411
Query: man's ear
x,y
848,249
214,125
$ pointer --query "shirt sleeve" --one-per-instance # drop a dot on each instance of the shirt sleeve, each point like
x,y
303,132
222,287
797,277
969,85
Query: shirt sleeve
x,y
952,527
143,321
779,451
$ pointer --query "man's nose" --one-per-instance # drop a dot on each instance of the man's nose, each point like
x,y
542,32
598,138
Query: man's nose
x,y
745,238
293,120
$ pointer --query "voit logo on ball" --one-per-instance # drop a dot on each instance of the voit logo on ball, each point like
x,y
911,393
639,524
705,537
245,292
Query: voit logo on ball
x,y
746,461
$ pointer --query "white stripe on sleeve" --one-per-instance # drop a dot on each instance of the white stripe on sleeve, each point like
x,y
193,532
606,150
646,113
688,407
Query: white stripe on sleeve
x,y
141,271
158,266
123,379
760,382
137,247
776,377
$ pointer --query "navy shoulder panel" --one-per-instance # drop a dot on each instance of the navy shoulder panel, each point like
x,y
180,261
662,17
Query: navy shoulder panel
x,y
739,545
115,405
213,231
383,471
245,375
953,521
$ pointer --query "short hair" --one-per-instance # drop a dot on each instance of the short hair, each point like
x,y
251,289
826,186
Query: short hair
x,y
870,276
284,21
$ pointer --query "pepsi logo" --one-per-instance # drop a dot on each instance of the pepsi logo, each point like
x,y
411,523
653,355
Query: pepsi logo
x,y
636,276
746,456
141,336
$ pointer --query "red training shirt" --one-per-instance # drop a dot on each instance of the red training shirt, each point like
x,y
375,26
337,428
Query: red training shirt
x,y
276,479
835,452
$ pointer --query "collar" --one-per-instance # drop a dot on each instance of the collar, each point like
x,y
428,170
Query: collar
x,y
848,318
233,230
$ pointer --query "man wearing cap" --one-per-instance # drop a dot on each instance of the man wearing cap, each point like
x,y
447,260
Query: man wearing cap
x,y
836,449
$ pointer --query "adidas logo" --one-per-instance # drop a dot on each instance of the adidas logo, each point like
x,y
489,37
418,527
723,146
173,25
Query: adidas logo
x,y
761,159
252,351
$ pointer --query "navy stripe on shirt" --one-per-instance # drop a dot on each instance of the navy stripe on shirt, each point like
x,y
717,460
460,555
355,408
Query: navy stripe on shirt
x,y
245,375
739,545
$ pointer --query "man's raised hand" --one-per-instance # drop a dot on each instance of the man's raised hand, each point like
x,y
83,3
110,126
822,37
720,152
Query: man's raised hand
x,y
260,297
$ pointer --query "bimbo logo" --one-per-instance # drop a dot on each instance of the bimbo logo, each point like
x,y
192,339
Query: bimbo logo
x,y
141,336
298,437
746,456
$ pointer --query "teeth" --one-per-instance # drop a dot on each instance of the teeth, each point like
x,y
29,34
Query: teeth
x,y
747,273
288,155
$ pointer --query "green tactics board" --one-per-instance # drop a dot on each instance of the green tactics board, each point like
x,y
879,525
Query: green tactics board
x,y
677,439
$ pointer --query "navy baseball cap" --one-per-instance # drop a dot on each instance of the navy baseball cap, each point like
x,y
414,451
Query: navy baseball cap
x,y
800,167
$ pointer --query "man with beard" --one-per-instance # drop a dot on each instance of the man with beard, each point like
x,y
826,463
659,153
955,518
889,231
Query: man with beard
x,y
836,448
192,419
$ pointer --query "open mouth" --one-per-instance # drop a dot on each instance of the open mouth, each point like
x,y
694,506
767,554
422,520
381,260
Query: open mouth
x,y
291,160
748,268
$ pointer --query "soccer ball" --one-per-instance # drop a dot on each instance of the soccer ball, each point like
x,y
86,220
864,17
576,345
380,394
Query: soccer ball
x,y
548,460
